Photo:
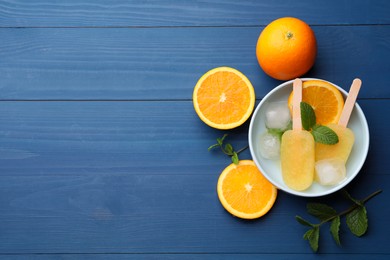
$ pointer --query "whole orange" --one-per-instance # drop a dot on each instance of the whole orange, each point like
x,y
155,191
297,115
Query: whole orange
x,y
286,48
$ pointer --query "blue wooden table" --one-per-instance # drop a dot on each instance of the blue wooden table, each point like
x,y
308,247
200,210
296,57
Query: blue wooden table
x,y
103,156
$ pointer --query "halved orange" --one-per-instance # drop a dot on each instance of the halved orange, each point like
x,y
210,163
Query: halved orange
x,y
224,98
326,100
244,191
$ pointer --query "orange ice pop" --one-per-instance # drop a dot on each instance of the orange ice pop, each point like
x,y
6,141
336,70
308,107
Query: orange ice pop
x,y
297,149
343,148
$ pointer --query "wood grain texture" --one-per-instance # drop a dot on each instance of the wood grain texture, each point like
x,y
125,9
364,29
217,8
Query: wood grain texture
x,y
136,177
103,157
143,213
132,137
46,13
127,136
184,256
165,63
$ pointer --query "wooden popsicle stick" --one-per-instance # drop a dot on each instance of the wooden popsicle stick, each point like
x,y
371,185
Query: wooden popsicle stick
x,y
350,102
297,98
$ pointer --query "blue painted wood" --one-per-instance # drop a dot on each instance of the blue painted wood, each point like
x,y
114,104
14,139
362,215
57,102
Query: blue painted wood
x,y
165,63
136,177
107,135
130,176
46,13
142,213
97,137
219,256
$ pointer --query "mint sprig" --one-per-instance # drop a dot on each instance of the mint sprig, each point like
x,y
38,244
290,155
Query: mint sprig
x,y
308,116
325,135
227,149
321,134
356,219
279,132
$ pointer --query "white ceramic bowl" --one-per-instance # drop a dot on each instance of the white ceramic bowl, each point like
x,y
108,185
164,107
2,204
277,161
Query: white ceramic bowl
x,y
271,168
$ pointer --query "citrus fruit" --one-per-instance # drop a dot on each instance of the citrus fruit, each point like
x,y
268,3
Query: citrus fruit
x,y
244,191
224,98
326,100
286,48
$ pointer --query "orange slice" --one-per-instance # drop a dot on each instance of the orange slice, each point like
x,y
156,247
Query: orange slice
x,y
326,100
244,191
224,98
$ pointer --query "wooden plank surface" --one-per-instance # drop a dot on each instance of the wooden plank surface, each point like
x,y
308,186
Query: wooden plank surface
x,y
143,213
150,137
165,63
189,256
136,177
74,13
102,155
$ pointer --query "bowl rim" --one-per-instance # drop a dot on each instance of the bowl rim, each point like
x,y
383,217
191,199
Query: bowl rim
x,y
303,193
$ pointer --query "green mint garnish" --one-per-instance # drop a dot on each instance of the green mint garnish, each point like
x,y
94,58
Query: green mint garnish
x,y
313,236
356,219
320,211
235,158
227,149
308,116
335,230
324,135
321,134
279,132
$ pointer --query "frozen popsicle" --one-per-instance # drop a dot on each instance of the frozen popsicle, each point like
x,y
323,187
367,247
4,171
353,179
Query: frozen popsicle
x,y
297,149
343,148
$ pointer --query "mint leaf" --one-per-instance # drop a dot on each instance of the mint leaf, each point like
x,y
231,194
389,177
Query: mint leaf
x,y
303,221
334,229
324,135
229,149
308,116
279,132
313,236
276,132
357,221
356,218
321,134
220,140
235,159
321,211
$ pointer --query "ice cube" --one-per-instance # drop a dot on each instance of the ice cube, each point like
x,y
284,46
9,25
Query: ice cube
x,y
277,115
330,171
269,146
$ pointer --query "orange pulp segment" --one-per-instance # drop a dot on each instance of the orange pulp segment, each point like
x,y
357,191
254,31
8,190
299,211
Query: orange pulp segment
x,y
244,191
224,98
326,100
